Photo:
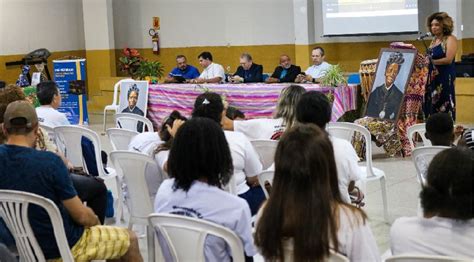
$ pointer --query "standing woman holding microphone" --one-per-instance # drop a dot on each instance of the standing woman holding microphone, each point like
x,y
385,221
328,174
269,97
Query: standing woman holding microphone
x,y
439,96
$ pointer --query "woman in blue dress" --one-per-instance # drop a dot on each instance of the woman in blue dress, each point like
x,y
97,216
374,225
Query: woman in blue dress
x,y
439,96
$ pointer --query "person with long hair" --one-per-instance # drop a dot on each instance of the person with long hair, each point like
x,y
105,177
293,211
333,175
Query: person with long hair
x,y
271,128
447,225
244,157
304,218
440,96
200,165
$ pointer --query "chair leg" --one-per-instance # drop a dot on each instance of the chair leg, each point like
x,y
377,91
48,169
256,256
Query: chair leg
x,y
105,118
119,215
384,199
151,243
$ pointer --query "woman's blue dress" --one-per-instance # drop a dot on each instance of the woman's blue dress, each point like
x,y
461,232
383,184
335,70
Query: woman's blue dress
x,y
439,96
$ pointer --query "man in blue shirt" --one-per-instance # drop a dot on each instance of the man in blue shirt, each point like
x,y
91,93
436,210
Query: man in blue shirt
x,y
182,72
24,168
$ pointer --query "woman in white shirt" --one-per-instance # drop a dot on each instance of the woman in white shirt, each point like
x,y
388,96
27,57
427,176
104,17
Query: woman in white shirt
x,y
305,217
200,165
244,157
271,128
447,225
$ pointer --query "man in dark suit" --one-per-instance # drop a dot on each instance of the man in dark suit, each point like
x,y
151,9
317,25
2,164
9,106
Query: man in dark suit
x,y
285,72
384,102
248,71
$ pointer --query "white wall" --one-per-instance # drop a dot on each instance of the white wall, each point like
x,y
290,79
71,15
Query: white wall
x,y
26,25
98,24
204,22
468,18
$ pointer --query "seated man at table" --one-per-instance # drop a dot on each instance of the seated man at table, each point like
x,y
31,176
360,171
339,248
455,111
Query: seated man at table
x,y
211,73
182,71
285,72
248,71
314,73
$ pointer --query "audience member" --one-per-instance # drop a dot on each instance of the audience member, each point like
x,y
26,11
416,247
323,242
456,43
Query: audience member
x,y
234,114
248,71
182,72
305,218
244,157
26,169
440,129
284,117
314,73
50,100
200,165
211,73
447,225
285,72
89,189
315,108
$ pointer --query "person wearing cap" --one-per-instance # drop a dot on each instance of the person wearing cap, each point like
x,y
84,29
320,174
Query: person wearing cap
x,y
25,169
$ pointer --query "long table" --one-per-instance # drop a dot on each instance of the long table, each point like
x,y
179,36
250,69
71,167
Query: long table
x,y
255,100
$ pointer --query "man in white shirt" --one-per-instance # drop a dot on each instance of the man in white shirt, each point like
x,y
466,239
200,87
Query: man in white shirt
x,y
314,107
314,73
211,73
50,100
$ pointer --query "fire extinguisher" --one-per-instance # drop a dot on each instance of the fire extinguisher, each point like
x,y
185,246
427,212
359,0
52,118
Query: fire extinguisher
x,y
155,39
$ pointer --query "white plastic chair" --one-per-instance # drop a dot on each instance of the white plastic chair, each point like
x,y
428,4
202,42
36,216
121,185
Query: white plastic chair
x,y
186,236
266,176
130,121
115,100
422,157
341,130
120,138
421,130
266,151
69,138
132,167
14,211
425,258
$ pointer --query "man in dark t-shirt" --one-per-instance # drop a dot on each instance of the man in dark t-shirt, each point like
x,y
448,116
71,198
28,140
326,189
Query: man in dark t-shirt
x,y
25,169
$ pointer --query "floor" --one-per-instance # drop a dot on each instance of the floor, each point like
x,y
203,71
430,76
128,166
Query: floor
x,y
401,183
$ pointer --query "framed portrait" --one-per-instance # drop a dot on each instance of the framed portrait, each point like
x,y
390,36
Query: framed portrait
x,y
133,97
392,74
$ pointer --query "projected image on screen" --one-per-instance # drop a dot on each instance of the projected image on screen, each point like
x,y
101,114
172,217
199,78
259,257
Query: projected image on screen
x,y
353,17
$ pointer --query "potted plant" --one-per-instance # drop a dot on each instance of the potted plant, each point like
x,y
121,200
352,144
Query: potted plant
x,y
150,71
130,61
334,77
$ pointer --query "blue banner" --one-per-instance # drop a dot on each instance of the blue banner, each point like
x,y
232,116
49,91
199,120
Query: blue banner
x,y
70,76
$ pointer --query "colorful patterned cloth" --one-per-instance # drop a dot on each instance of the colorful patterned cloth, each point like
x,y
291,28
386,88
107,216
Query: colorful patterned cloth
x,y
394,140
255,100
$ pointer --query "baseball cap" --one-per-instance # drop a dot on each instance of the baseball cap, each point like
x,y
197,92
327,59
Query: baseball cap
x,y
20,110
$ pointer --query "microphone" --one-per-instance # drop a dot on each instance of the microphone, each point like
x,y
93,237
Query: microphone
x,y
427,34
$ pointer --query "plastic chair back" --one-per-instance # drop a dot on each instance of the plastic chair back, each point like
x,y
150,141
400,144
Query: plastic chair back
x,y
186,236
266,151
120,138
14,211
422,157
425,258
345,130
421,130
288,256
130,121
264,177
70,137
132,167
50,131
115,99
